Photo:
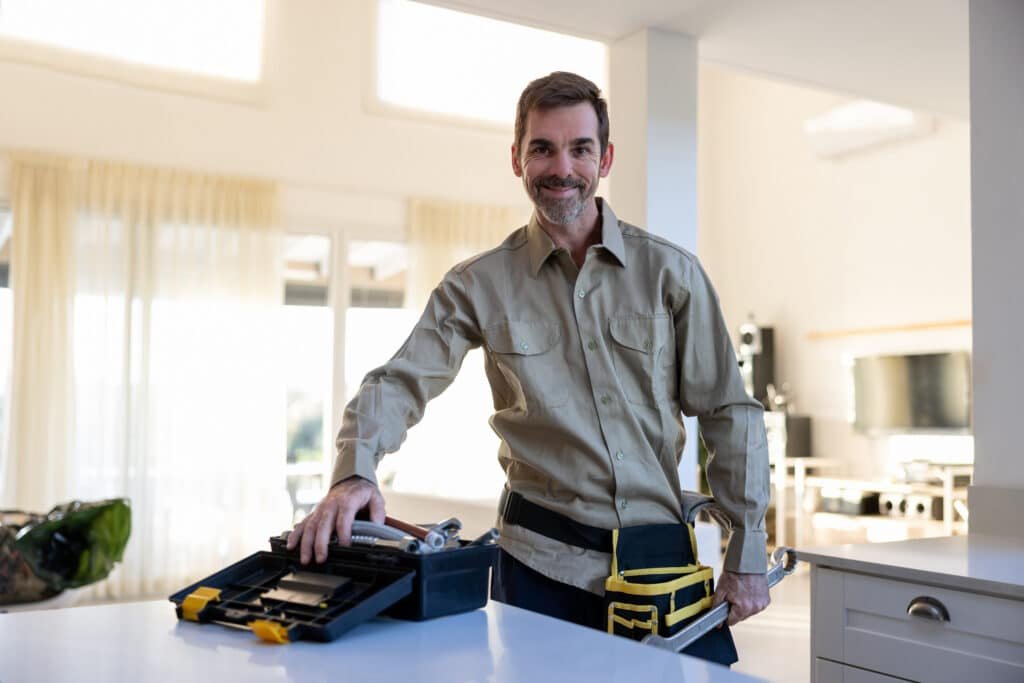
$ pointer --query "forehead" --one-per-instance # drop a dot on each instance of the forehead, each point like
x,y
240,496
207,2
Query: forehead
x,y
561,123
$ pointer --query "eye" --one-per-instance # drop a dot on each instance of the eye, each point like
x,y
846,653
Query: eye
x,y
581,151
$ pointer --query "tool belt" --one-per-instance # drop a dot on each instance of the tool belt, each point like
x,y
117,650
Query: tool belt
x,y
656,585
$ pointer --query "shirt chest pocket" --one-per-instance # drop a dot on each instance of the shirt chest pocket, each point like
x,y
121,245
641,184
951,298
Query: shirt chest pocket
x,y
643,352
529,355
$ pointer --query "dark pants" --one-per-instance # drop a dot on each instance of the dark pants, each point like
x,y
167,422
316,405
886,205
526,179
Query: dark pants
x,y
516,584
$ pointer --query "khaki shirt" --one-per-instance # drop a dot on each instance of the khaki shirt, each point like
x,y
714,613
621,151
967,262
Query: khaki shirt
x,y
589,370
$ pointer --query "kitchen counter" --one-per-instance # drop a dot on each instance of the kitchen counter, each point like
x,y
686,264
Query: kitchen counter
x,y
943,610
144,641
980,564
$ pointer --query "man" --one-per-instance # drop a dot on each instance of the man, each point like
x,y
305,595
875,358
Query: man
x,y
597,335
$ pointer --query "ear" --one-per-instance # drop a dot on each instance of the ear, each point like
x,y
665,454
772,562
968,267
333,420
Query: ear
x,y
517,168
606,161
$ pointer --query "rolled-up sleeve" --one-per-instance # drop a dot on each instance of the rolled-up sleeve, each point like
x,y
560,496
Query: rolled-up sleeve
x,y
731,422
393,397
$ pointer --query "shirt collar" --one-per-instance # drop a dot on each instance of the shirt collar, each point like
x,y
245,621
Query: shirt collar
x,y
541,246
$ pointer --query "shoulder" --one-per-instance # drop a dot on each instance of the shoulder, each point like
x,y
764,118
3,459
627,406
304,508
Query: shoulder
x,y
656,249
509,248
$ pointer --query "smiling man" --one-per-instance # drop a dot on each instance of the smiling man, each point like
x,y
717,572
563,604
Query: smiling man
x,y
598,336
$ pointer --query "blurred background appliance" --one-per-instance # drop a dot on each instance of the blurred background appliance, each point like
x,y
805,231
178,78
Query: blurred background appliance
x,y
756,351
926,392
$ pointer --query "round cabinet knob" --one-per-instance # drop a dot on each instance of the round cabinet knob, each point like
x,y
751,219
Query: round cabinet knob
x,y
924,607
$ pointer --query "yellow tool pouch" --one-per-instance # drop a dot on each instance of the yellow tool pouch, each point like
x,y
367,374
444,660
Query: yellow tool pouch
x,y
656,584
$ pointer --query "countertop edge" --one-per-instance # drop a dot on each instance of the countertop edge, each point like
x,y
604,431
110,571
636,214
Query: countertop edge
x,y
999,589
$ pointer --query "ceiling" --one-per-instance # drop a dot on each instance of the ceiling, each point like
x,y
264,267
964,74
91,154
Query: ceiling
x,y
907,52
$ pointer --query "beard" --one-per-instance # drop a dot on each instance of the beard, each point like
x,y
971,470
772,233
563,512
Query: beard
x,y
560,211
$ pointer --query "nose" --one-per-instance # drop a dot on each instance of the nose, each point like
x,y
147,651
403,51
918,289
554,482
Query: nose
x,y
562,164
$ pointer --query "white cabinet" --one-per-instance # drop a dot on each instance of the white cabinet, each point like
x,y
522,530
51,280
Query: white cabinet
x,y
876,622
832,672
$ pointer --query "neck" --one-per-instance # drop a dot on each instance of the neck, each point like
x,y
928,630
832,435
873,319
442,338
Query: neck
x,y
577,236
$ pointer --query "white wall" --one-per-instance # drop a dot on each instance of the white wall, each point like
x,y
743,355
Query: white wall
x,y
881,238
313,132
997,108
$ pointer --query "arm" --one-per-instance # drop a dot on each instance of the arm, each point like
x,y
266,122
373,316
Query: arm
x,y
390,400
732,426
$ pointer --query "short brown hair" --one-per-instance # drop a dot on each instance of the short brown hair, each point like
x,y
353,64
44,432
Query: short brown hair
x,y
562,89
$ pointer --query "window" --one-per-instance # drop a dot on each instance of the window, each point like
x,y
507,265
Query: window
x,y
222,39
430,462
447,62
309,334
376,323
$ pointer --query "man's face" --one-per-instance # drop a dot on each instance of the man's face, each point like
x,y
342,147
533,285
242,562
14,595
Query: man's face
x,y
560,160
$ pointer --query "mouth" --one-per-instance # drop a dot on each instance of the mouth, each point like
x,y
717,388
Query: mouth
x,y
559,192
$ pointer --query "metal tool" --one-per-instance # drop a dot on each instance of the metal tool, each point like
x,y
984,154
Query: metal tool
x,y
489,536
783,563
406,544
449,528
433,539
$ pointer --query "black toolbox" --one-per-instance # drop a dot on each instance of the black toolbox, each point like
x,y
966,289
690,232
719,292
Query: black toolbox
x,y
281,600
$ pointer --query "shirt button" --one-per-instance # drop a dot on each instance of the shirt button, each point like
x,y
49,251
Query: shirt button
x,y
592,345
619,456
623,503
606,399
580,293
524,346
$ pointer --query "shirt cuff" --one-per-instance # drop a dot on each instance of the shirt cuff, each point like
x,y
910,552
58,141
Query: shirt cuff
x,y
747,552
361,464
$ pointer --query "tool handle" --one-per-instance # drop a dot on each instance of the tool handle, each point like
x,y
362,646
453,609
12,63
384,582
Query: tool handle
x,y
784,564
432,538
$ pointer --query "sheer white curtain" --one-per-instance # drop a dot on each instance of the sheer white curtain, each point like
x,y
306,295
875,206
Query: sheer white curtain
x,y
443,233
431,462
42,282
177,396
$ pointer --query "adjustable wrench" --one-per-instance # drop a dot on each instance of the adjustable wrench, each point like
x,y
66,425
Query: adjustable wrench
x,y
783,564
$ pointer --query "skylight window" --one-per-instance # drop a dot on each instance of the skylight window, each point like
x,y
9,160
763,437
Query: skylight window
x,y
447,62
222,38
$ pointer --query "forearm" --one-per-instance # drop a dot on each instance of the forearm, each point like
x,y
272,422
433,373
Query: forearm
x,y
738,475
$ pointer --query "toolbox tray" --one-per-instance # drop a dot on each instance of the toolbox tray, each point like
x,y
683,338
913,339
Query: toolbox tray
x,y
277,597
445,582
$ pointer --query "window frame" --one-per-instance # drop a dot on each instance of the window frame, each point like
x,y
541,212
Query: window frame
x,y
66,60
375,105
339,288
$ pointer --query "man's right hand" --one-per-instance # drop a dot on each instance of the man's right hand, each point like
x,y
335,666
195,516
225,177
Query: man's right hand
x,y
335,514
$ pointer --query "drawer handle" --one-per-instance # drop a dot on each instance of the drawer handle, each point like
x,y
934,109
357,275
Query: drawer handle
x,y
928,608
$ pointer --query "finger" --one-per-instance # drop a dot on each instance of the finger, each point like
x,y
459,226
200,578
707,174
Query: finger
x,y
738,612
323,534
295,536
309,531
377,512
343,524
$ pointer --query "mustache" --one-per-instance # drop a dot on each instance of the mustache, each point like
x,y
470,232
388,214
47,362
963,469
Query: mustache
x,y
554,182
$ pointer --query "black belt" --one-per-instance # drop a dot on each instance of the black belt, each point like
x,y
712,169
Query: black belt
x,y
517,510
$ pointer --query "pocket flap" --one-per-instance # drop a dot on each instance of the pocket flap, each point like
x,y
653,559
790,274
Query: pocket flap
x,y
525,338
637,333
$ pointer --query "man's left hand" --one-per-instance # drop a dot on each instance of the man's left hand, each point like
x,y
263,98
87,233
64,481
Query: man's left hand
x,y
747,594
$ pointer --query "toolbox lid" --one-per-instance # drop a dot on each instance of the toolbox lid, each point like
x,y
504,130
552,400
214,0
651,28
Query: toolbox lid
x,y
281,600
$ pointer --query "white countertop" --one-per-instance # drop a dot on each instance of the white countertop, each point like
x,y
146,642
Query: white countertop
x,y
145,641
981,564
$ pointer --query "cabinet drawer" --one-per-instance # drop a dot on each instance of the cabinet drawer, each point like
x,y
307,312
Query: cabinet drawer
x,y
833,672
982,640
